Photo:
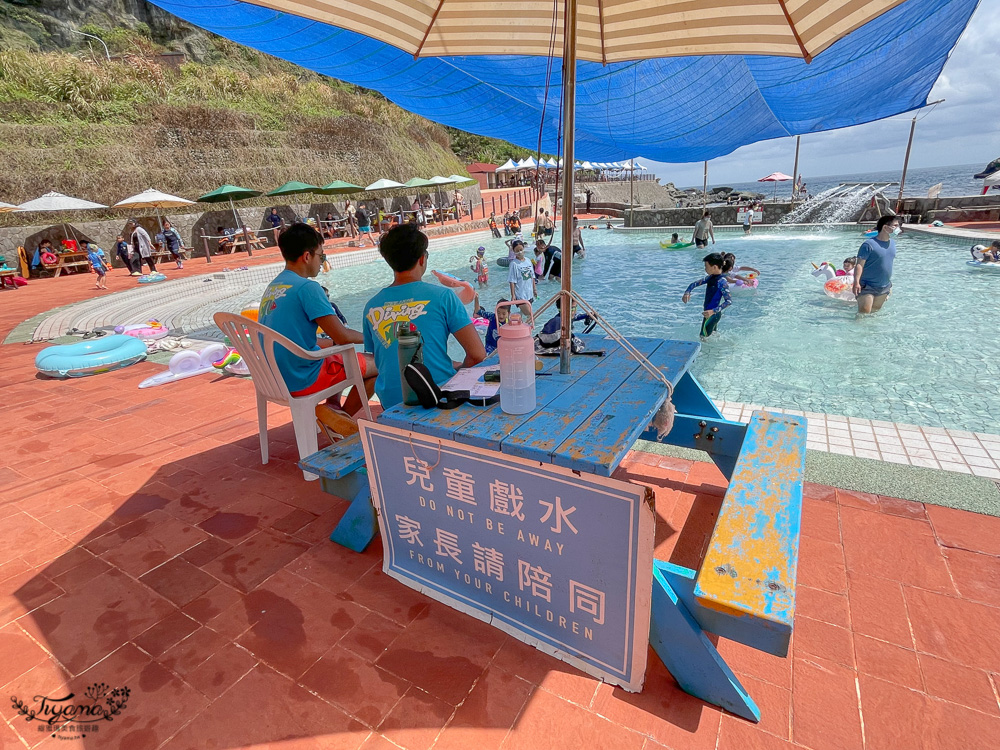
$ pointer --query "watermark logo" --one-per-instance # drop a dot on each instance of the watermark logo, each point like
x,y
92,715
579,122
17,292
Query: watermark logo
x,y
71,716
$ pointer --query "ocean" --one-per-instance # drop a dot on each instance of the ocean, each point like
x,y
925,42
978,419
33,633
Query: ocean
x,y
955,181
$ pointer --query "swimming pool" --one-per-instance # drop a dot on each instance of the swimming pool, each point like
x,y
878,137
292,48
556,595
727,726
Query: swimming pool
x,y
929,358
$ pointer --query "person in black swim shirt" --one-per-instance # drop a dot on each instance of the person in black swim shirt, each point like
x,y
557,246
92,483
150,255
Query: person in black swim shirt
x,y
717,296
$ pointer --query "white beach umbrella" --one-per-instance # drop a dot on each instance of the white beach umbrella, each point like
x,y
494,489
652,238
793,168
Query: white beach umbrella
x,y
154,199
507,166
384,184
58,202
54,201
528,163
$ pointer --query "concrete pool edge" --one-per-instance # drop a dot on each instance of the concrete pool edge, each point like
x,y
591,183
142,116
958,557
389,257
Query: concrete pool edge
x,y
930,486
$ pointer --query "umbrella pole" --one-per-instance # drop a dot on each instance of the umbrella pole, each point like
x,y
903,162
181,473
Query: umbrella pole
x,y
795,172
569,136
241,225
704,187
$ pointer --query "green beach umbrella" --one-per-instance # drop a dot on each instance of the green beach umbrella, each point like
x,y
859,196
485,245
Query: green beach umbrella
x,y
294,188
339,187
229,193
460,180
418,182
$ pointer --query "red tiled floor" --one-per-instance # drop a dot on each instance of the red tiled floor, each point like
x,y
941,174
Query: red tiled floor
x,y
907,549
86,624
416,720
878,609
976,576
243,549
443,653
971,531
179,581
955,629
662,711
548,721
220,671
888,662
825,706
896,717
266,707
18,653
363,690
963,685
487,714
816,638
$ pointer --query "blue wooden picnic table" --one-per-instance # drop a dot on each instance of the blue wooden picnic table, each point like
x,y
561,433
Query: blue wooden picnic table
x,y
587,421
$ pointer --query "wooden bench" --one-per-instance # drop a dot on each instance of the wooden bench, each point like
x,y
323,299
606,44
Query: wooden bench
x,y
745,588
67,261
7,277
162,256
341,471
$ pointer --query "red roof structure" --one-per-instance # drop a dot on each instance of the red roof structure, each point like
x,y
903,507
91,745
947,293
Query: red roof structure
x,y
484,174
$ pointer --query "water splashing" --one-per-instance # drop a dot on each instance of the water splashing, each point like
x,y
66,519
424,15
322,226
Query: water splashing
x,y
837,205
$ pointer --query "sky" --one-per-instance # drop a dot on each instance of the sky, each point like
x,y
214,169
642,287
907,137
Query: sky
x,y
965,129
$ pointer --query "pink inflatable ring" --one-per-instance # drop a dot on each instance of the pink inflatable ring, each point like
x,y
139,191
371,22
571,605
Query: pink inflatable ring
x,y
463,289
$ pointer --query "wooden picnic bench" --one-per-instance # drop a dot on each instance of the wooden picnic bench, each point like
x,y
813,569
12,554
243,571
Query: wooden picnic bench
x,y
67,261
240,243
7,277
163,255
745,587
336,227
587,421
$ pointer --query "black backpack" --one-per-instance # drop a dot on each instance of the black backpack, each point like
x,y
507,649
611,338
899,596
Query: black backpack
x,y
419,378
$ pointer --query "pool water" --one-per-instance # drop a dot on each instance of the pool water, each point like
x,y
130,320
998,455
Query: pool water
x,y
930,357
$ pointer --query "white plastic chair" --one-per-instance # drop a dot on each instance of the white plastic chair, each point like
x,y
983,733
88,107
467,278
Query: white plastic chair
x,y
255,344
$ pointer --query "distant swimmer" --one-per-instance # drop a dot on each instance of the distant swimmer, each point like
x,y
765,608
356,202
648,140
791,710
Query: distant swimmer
x,y
703,230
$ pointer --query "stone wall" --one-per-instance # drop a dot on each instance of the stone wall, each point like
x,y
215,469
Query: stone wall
x,y
684,217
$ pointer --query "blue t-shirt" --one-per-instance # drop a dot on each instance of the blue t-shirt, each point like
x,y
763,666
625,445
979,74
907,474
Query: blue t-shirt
x,y
291,305
437,313
492,334
95,260
877,257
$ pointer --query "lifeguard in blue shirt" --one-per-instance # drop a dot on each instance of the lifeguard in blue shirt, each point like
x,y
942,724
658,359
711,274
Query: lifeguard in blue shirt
x,y
435,310
294,305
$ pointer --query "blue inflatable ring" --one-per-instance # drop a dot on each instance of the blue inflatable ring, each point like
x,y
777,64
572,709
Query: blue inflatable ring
x,y
90,357
152,278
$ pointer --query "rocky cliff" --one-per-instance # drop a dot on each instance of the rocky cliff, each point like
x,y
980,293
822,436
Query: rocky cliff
x,y
71,120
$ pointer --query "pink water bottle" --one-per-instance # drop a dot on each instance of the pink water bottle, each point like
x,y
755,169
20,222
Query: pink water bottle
x,y
517,361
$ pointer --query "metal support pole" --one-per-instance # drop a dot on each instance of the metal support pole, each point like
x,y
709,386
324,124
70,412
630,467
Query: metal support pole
x,y
704,188
906,163
569,136
631,191
795,170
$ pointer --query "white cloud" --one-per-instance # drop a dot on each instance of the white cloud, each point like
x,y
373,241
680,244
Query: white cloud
x,y
965,129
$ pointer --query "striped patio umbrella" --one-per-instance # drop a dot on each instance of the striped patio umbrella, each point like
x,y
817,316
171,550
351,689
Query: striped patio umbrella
x,y
601,31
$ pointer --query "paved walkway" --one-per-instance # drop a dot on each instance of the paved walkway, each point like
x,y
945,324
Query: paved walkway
x,y
930,447
142,544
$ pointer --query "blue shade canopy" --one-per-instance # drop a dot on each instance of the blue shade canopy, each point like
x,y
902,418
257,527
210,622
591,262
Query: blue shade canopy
x,y
678,109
